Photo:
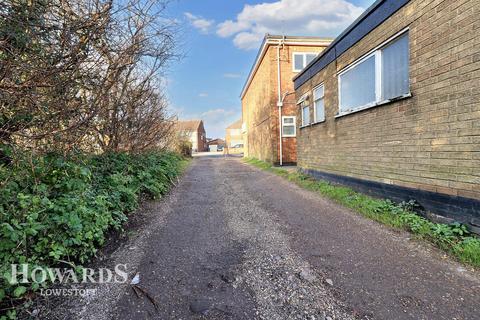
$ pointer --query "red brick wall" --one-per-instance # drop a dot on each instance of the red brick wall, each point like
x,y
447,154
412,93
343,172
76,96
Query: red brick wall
x,y
259,106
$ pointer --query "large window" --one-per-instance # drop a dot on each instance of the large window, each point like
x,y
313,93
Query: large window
x,y
357,86
288,127
380,76
394,68
318,104
302,59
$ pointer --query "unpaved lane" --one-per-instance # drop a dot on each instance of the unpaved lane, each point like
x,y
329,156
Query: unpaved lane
x,y
239,243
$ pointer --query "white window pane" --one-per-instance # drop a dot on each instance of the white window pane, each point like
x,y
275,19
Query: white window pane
x,y
287,120
319,110
358,85
298,61
309,58
318,92
288,130
395,69
305,116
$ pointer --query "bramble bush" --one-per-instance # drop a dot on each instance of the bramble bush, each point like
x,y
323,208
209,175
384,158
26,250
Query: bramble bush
x,y
55,209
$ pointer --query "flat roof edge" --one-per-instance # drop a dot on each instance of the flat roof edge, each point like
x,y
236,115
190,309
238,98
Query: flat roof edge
x,y
374,16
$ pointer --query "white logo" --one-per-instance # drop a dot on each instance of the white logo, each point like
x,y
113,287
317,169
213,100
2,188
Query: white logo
x,y
22,274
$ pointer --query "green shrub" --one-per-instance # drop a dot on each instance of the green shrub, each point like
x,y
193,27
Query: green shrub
x,y
56,209
184,147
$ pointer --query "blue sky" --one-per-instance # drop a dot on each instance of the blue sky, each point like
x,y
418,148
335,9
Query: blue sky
x,y
220,39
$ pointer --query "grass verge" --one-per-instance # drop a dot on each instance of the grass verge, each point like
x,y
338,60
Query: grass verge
x,y
455,239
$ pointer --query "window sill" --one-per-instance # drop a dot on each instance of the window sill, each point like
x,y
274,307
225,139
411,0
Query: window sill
x,y
318,122
378,104
312,124
289,136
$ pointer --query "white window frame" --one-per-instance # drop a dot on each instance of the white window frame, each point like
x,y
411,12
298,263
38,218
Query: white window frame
x,y
315,120
377,52
304,55
294,124
301,110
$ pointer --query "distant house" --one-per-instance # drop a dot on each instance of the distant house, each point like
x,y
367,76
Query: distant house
x,y
215,145
234,136
392,106
193,131
268,102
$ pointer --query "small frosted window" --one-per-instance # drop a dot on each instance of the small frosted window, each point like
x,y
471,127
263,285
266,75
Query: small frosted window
x,y
305,116
288,126
288,131
298,61
287,120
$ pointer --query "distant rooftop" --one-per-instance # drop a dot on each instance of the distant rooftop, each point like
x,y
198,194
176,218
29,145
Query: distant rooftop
x,y
216,141
236,125
188,125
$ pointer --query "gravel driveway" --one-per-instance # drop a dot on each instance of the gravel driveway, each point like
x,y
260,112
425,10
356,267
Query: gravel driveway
x,y
234,242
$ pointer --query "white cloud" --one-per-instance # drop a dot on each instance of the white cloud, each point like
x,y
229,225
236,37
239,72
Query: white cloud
x,y
217,120
290,17
203,25
232,75
203,94
217,114
248,40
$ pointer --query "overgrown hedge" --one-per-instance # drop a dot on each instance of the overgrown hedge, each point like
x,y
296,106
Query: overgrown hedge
x,y
453,238
55,209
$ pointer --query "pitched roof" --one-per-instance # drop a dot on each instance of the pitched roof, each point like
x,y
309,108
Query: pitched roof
x,y
216,141
188,125
270,39
236,125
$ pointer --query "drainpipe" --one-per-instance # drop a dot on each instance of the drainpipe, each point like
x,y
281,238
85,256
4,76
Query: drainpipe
x,y
280,100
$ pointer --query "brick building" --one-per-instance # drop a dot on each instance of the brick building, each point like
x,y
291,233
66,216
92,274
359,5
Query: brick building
x,y
234,137
215,145
233,134
193,131
268,96
392,106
